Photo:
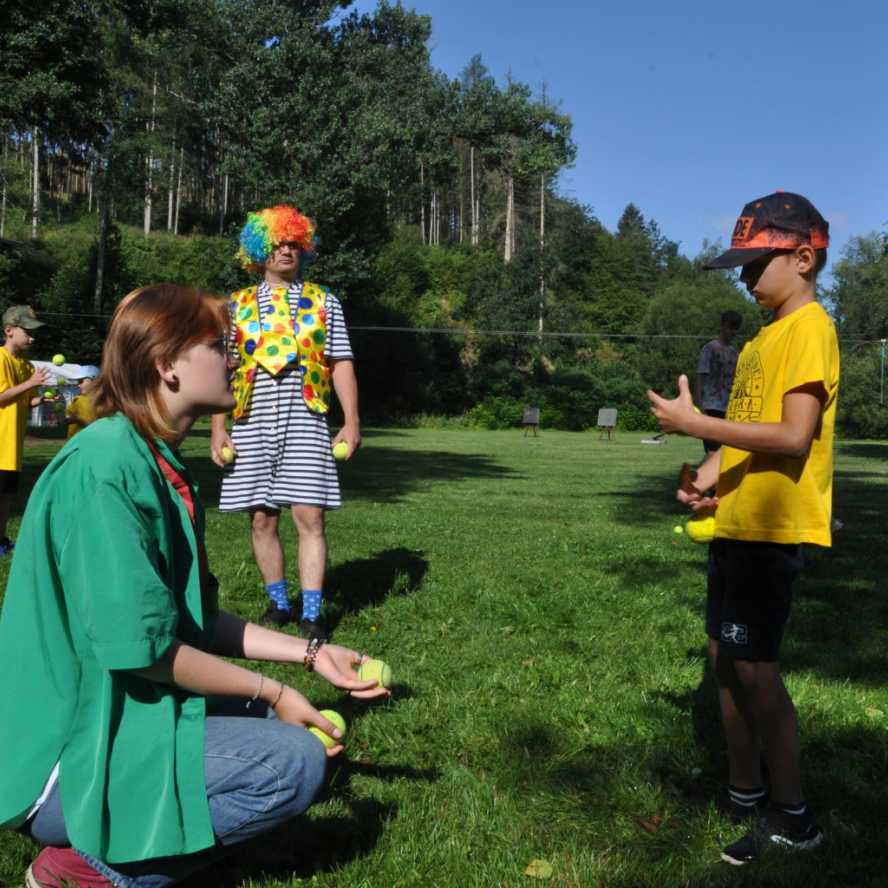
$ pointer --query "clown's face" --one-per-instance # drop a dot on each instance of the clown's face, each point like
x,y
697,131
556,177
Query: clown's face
x,y
284,260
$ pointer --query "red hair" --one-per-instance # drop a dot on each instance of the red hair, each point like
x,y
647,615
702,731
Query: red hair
x,y
152,325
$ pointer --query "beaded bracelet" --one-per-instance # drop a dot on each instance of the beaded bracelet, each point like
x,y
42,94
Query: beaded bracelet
x,y
258,692
311,653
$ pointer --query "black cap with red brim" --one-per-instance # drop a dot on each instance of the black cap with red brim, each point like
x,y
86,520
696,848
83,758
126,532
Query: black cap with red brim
x,y
779,221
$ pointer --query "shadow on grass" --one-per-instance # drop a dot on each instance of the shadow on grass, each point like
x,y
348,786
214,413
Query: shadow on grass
x,y
366,582
383,474
377,474
863,449
840,607
387,474
845,771
308,846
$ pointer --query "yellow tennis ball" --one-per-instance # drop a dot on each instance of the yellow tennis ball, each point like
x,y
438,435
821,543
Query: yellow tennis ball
x,y
376,670
227,454
678,529
337,720
340,450
696,409
701,530
58,360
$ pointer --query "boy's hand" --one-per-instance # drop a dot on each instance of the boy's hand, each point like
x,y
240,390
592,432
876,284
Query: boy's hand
x,y
40,377
673,416
691,496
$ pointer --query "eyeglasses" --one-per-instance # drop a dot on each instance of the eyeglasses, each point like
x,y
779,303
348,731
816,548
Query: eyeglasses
x,y
219,345
292,246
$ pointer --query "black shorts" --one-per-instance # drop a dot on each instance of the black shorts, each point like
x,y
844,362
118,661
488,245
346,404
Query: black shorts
x,y
9,481
709,446
749,596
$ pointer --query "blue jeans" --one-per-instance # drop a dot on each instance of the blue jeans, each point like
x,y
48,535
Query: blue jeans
x,y
260,772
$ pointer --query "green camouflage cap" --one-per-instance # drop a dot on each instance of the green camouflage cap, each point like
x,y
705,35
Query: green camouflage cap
x,y
21,316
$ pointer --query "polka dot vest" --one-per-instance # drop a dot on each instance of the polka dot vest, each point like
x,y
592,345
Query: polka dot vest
x,y
284,335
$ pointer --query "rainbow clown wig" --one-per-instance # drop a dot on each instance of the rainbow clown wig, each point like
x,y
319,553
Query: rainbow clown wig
x,y
272,226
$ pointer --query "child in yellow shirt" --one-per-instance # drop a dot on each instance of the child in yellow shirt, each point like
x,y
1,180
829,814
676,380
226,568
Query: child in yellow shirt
x,y
774,477
18,379
81,411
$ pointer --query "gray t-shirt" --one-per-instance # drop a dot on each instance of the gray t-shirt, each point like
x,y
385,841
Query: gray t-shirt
x,y
716,366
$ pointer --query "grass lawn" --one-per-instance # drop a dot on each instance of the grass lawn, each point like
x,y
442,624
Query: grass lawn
x,y
552,702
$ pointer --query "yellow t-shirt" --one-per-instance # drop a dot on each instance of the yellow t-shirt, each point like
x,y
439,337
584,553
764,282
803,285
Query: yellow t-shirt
x,y
781,499
13,372
81,410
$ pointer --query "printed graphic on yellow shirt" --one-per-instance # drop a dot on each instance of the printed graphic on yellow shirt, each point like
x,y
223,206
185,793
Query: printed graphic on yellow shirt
x,y
749,388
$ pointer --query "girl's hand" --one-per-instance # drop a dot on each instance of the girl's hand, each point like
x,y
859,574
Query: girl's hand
x,y
294,709
337,664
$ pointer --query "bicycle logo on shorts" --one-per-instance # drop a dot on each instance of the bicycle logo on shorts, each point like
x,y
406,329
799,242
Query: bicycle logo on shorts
x,y
734,633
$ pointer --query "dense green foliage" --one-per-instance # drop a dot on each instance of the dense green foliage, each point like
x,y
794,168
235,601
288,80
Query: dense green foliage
x,y
552,699
860,302
156,125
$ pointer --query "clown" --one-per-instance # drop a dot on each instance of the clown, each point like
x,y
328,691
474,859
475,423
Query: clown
x,y
292,344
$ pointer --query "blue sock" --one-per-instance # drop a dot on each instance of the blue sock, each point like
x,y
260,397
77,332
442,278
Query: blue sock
x,y
277,592
311,604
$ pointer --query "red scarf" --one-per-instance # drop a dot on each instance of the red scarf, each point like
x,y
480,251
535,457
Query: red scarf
x,y
183,488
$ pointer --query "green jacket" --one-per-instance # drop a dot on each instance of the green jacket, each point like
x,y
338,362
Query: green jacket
x,y
104,577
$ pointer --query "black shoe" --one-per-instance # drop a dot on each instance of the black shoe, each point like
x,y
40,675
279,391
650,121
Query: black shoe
x,y
309,629
277,616
774,829
738,812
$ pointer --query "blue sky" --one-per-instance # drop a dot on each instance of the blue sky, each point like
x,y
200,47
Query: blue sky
x,y
690,109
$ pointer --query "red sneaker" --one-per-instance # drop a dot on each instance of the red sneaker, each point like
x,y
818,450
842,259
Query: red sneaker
x,y
63,868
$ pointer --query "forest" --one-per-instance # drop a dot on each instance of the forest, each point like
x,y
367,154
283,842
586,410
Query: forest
x,y
137,135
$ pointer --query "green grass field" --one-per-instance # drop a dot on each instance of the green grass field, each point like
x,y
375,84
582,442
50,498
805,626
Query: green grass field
x,y
552,702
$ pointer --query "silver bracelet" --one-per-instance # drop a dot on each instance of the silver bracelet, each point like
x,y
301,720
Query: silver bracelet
x,y
258,692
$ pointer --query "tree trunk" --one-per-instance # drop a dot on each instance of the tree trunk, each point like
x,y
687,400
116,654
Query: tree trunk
x,y
3,198
472,196
170,185
422,215
35,184
103,202
178,191
462,195
432,215
542,248
149,161
223,206
510,207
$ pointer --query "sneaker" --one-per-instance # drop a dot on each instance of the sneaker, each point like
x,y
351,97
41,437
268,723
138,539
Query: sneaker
x,y
727,806
6,546
774,829
277,616
310,629
59,867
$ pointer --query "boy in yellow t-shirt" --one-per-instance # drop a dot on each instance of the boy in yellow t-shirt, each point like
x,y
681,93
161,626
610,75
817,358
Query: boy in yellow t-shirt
x,y
18,379
81,411
774,492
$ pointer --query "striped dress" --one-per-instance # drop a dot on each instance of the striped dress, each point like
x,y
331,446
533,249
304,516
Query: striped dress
x,y
283,449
